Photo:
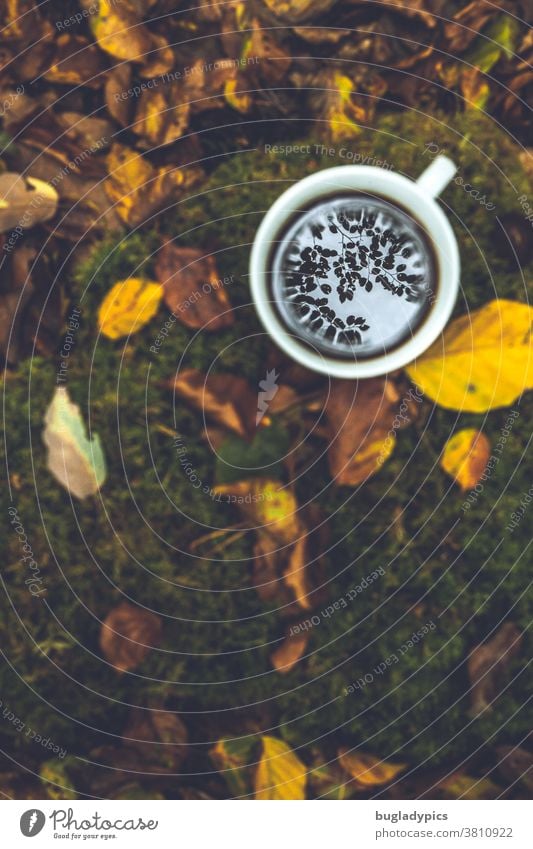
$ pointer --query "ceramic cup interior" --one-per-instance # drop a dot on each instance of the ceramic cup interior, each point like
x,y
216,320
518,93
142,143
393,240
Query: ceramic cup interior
x,y
354,270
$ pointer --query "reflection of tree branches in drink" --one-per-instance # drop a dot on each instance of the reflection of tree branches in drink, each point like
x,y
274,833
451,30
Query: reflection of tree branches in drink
x,y
358,266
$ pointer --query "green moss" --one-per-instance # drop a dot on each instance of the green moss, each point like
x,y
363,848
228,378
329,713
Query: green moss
x,y
441,564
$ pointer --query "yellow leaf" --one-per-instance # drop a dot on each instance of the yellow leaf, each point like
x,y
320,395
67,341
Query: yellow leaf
x,y
121,32
136,188
277,511
280,774
367,770
240,102
128,306
465,457
484,359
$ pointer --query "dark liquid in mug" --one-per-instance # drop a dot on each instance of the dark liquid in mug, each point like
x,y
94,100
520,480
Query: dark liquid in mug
x,y
353,276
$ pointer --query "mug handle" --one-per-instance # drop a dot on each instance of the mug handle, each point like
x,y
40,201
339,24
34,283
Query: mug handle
x,y
437,176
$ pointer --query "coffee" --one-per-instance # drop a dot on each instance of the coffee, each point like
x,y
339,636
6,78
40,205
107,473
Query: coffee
x,y
353,276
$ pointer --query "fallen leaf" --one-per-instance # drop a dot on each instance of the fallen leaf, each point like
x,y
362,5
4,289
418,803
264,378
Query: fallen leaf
x,y
186,274
280,774
459,786
499,38
296,11
163,113
271,62
77,462
119,30
76,62
25,201
56,779
466,25
128,306
17,289
360,423
231,757
235,97
127,634
488,664
289,652
465,457
474,88
118,81
295,575
159,736
137,188
225,398
482,361
516,764
368,770
340,110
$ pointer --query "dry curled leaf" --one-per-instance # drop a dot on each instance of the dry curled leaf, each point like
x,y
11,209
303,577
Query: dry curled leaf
x,y
127,634
368,770
224,398
488,664
137,188
339,107
17,290
192,288
465,457
76,62
25,201
296,574
128,306
289,652
280,774
120,31
516,764
361,425
482,361
159,736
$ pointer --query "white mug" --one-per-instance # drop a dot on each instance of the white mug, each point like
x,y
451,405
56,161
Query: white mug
x,y
417,199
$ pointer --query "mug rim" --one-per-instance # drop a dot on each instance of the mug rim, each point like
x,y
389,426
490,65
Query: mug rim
x,y
399,190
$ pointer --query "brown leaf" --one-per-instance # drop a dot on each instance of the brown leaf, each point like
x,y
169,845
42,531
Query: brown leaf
x,y
186,274
297,11
273,61
266,576
296,574
76,62
160,738
367,770
488,664
225,398
164,111
127,635
360,417
466,24
117,83
289,652
516,764
15,292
